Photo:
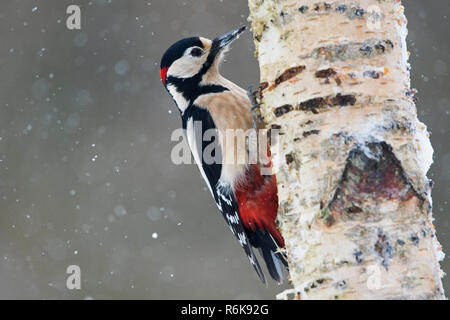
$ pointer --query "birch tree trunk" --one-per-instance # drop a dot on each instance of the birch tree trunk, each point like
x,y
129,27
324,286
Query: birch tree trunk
x,y
351,157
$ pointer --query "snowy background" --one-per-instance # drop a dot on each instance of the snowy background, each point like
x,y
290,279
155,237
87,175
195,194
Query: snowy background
x,y
85,170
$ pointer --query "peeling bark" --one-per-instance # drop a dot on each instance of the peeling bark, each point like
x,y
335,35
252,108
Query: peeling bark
x,y
352,157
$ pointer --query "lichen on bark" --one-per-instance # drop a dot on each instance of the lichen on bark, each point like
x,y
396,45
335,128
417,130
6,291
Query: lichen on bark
x,y
352,157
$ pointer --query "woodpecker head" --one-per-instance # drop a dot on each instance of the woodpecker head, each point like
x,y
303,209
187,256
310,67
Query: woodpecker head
x,y
191,62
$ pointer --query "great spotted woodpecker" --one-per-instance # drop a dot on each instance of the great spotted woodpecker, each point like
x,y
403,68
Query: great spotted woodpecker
x,y
247,199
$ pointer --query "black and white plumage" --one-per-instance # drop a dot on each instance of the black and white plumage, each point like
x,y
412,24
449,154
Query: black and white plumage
x,y
221,191
247,199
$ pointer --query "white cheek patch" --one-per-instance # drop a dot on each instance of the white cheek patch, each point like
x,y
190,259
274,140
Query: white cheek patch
x,y
178,97
185,67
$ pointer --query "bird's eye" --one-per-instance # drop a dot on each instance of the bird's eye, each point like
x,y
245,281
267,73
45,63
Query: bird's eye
x,y
196,52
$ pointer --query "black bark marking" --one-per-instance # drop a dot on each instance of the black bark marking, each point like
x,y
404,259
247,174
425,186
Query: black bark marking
x,y
352,12
353,50
263,85
353,209
310,132
283,110
344,136
381,48
372,74
414,239
358,256
399,126
342,284
341,8
343,100
289,74
326,73
312,105
322,6
384,249
303,9
359,12
315,104
366,49
275,126
290,157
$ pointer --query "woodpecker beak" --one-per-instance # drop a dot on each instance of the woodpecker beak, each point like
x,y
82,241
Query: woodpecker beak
x,y
224,40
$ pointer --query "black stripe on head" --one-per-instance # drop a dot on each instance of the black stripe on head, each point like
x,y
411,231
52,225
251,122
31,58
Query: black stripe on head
x,y
177,50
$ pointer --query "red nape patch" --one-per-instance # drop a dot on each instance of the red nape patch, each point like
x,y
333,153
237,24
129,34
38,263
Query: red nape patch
x,y
258,202
163,74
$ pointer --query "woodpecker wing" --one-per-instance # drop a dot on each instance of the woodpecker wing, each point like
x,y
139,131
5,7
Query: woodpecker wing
x,y
228,206
196,121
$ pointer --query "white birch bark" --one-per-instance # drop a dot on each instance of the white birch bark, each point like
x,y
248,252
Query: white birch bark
x,y
352,157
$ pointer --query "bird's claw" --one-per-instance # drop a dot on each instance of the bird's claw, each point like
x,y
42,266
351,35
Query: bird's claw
x,y
252,97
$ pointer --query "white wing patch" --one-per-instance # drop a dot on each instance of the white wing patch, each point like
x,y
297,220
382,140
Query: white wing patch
x,y
192,141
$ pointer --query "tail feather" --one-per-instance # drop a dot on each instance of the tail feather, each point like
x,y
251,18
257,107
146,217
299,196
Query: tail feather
x,y
273,264
257,267
269,250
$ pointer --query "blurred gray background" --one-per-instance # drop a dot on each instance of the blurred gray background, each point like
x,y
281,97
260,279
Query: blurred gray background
x,y
85,170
